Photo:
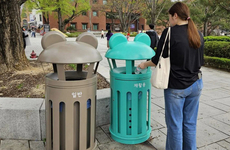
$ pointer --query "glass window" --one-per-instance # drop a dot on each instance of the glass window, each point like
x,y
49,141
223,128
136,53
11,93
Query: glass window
x,y
84,26
94,1
95,26
24,15
73,25
83,13
40,17
94,13
104,2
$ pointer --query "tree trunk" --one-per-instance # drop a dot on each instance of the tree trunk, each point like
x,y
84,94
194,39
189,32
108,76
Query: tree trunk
x,y
12,53
60,23
205,32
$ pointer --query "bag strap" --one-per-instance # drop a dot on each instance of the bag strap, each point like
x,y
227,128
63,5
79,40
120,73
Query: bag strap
x,y
167,35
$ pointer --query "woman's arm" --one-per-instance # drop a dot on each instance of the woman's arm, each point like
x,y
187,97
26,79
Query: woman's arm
x,y
143,65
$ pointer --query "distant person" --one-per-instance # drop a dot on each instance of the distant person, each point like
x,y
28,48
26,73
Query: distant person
x,y
108,35
33,33
24,37
88,30
153,36
102,34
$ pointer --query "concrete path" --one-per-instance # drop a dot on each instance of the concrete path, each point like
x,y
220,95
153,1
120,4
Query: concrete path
x,y
213,129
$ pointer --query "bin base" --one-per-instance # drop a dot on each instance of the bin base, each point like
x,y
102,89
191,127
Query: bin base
x,y
130,140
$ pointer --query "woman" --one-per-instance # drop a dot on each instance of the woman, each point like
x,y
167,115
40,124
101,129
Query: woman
x,y
185,83
108,35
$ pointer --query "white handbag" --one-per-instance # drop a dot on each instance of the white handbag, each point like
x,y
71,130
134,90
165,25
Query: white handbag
x,y
160,75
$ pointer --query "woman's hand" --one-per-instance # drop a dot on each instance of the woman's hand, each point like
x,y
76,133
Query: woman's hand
x,y
142,65
146,64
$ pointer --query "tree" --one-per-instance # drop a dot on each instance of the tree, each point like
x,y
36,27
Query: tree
x,y
66,10
12,54
206,14
153,10
128,11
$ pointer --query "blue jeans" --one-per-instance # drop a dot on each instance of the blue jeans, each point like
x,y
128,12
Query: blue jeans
x,y
181,110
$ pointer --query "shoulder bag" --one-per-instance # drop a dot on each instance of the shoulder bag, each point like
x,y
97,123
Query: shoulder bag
x,y
160,75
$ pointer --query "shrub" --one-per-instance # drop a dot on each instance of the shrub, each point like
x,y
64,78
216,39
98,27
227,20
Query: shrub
x,y
220,63
217,49
74,34
217,38
71,28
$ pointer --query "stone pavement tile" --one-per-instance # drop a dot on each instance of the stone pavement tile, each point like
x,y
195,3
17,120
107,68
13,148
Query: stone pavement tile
x,y
105,128
223,117
207,111
158,139
37,145
213,146
157,92
216,93
205,98
101,136
228,140
163,130
207,135
218,105
158,101
155,125
218,125
225,101
227,87
14,145
224,144
158,117
118,146
208,85
155,107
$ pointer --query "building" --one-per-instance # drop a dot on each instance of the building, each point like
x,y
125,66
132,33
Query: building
x,y
99,20
30,19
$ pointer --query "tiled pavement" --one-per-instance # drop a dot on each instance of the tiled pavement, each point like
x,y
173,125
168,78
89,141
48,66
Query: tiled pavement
x,y
213,129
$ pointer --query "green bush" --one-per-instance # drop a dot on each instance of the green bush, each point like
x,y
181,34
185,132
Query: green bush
x,y
217,49
220,63
71,28
74,34
217,38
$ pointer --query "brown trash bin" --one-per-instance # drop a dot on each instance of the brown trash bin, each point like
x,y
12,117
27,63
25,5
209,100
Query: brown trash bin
x,y
70,95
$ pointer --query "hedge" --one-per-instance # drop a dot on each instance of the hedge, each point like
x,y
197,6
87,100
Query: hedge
x,y
74,34
220,63
217,38
217,49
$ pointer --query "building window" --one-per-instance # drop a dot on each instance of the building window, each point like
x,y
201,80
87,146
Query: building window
x,y
94,1
73,25
94,13
95,26
84,26
83,13
40,17
104,2
24,15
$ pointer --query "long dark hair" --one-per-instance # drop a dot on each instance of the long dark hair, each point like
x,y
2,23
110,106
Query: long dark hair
x,y
183,13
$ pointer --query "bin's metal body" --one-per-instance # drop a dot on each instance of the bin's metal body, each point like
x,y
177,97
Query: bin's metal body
x,y
130,92
130,106
69,123
70,95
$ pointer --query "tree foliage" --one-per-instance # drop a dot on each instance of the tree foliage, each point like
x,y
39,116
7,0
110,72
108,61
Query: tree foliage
x,y
66,10
127,11
154,9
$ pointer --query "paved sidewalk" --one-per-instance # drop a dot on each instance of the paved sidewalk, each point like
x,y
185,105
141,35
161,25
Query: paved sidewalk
x,y
213,129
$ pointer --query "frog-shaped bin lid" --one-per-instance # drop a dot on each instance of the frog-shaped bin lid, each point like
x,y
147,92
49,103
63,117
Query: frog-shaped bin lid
x,y
121,49
59,51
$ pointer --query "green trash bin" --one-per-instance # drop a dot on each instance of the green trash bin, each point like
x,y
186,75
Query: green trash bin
x,y
130,92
